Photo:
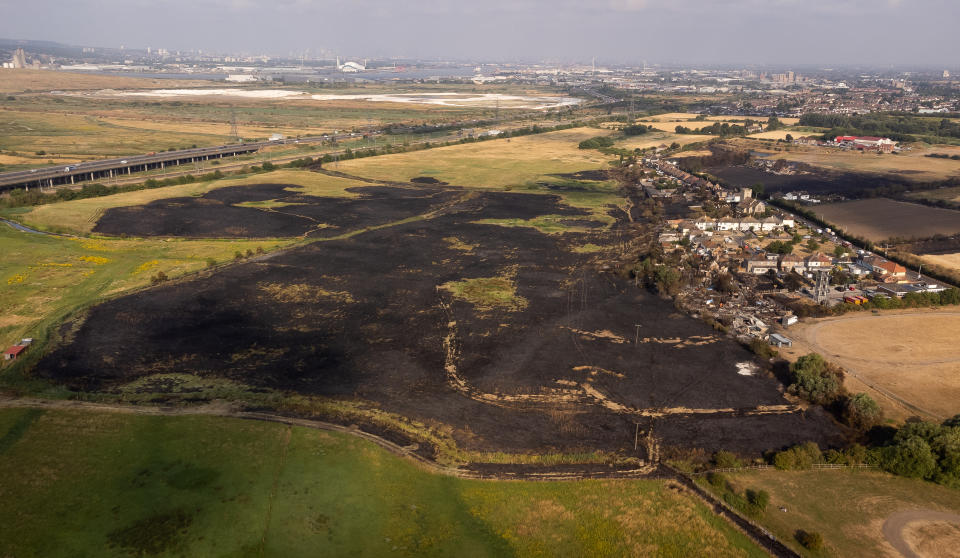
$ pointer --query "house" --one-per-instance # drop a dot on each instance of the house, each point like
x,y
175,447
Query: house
x,y
819,262
759,265
788,320
752,206
792,262
13,352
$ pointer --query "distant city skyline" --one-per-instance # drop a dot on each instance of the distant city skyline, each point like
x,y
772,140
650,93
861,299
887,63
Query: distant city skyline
x,y
691,32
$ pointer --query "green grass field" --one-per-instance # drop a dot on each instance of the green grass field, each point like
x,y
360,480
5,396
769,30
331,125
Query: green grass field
x,y
44,279
107,484
846,507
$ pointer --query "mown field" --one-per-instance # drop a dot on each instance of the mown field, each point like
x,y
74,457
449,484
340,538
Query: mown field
x,y
847,508
108,484
878,219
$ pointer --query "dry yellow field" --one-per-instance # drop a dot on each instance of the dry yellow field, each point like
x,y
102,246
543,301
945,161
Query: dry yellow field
x,y
661,138
948,261
17,81
80,216
489,164
908,164
778,134
688,116
900,356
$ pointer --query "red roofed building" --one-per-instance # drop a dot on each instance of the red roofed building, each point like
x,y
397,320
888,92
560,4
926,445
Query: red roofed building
x,y
13,352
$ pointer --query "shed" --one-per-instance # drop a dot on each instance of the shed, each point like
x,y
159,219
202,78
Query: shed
x,y
778,340
788,320
13,352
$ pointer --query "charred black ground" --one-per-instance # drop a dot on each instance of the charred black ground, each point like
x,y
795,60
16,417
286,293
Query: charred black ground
x,y
566,365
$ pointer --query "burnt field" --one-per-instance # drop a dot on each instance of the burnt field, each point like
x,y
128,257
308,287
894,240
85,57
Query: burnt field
x,y
268,211
818,181
512,337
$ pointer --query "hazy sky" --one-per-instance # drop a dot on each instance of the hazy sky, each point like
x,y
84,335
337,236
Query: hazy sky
x,y
824,32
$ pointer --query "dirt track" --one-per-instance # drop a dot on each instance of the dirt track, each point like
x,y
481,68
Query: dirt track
x,y
894,526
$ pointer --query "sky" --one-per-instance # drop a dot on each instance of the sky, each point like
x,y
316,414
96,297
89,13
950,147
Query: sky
x,y
764,32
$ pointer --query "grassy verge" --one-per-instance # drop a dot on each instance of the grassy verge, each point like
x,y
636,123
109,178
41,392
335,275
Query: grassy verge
x,y
108,484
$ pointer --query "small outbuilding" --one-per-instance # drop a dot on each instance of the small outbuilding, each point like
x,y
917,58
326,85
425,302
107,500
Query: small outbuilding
x,y
778,340
13,352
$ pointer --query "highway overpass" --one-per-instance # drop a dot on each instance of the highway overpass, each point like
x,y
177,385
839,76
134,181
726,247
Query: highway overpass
x,y
110,168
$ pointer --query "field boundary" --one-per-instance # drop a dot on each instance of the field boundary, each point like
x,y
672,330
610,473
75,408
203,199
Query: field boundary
x,y
815,466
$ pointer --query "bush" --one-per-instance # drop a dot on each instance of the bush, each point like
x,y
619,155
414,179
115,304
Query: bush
x,y
759,499
810,540
238,255
211,262
798,457
717,480
726,460
160,277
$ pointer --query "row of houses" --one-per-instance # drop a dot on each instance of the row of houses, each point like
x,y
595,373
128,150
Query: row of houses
x,y
744,224
764,262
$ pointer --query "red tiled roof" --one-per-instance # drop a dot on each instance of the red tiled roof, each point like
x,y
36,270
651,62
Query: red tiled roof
x,y
14,350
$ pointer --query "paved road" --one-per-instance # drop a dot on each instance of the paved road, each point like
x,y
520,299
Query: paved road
x,y
894,525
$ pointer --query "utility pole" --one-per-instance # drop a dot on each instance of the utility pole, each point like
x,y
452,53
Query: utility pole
x,y
636,437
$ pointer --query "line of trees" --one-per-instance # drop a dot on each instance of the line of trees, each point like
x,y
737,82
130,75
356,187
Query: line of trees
x,y
899,128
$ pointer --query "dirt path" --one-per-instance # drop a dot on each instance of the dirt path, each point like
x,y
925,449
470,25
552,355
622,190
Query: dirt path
x,y
894,526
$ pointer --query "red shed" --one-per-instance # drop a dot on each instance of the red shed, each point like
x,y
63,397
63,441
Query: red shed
x,y
13,352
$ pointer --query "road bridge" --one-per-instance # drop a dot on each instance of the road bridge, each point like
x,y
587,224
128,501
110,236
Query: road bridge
x,y
111,168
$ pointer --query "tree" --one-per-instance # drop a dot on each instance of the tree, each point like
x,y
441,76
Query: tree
x,y
778,247
667,280
788,138
911,457
815,380
839,251
792,281
812,245
758,189
862,412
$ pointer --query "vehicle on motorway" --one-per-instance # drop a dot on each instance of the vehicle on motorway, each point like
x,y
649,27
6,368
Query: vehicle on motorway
x,y
33,170
123,162
69,168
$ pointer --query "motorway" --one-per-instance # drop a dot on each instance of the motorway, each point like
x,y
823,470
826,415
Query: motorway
x,y
113,168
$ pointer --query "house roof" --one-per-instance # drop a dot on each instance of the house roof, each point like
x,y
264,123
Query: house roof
x,y
15,350
891,267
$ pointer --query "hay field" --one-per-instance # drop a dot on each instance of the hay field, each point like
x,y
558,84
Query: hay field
x,y
947,261
881,218
911,354
685,118
661,138
847,508
910,164
18,81
778,134
80,216
496,163
212,128
115,485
